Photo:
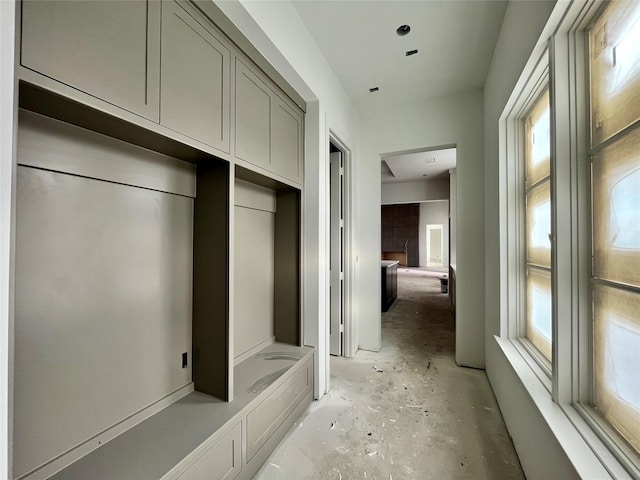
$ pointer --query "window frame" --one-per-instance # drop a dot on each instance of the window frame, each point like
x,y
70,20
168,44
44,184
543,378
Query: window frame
x,y
535,85
584,399
541,88
569,379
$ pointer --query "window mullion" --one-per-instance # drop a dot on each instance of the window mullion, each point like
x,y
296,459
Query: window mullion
x,y
561,221
582,344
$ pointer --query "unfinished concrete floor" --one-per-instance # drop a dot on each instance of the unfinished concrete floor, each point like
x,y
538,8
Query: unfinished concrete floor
x,y
406,412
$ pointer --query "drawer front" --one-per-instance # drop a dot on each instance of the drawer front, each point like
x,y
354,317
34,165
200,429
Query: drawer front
x,y
265,419
221,462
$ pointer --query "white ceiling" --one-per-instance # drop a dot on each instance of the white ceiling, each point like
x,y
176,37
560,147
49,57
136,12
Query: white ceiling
x,y
430,165
454,38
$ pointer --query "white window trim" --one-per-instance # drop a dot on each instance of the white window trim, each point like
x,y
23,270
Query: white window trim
x,y
590,458
563,398
512,120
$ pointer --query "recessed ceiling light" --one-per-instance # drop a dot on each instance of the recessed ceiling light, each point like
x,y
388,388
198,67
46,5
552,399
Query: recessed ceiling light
x,y
402,30
374,89
411,52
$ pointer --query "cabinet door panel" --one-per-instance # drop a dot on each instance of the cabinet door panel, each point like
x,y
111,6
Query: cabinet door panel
x,y
286,141
220,462
195,79
253,117
107,49
264,420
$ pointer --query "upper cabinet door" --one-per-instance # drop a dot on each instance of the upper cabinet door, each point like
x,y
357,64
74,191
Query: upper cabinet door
x,y
286,140
253,117
269,130
195,78
107,49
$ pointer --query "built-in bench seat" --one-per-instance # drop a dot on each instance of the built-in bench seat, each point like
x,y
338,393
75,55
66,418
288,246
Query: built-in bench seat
x,y
200,436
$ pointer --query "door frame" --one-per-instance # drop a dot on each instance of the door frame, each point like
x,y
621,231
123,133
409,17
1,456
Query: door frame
x,y
350,333
434,227
336,249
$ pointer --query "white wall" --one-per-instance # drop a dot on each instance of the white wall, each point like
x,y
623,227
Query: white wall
x,y
450,120
434,213
276,30
415,191
533,439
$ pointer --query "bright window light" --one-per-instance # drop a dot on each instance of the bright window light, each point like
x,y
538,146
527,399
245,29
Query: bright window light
x,y
624,212
540,139
623,360
626,56
541,311
614,90
541,225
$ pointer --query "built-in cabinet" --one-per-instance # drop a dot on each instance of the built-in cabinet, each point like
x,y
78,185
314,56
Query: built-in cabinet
x,y
268,130
167,62
253,117
286,140
194,77
109,50
159,181
389,288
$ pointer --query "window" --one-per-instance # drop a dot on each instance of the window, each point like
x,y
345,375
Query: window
x,y
537,159
614,64
529,212
570,212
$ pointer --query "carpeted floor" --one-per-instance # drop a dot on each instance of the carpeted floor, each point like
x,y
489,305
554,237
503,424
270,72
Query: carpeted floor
x,y
406,412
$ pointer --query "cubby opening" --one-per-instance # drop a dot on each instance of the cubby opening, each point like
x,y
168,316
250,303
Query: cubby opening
x,y
266,254
121,251
105,320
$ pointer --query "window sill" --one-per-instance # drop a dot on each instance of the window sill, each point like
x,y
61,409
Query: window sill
x,y
589,456
526,351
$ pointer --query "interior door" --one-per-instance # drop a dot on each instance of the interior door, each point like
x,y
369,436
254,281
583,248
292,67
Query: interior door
x,y
337,255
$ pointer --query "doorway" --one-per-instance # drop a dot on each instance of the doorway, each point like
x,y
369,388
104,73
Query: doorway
x,y
337,251
435,246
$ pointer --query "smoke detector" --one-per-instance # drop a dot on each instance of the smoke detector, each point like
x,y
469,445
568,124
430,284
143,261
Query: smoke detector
x,y
403,30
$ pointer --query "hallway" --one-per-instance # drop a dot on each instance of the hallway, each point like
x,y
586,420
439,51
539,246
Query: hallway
x,y
406,412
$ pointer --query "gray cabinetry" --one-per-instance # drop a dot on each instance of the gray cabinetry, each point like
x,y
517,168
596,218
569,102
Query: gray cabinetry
x,y
266,418
220,462
110,50
253,117
268,129
175,163
389,283
286,140
195,77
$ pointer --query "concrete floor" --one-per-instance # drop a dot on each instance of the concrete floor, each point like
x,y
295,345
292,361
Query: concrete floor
x,y
406,412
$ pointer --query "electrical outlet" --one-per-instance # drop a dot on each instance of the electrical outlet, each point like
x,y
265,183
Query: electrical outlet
x,y
185,360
